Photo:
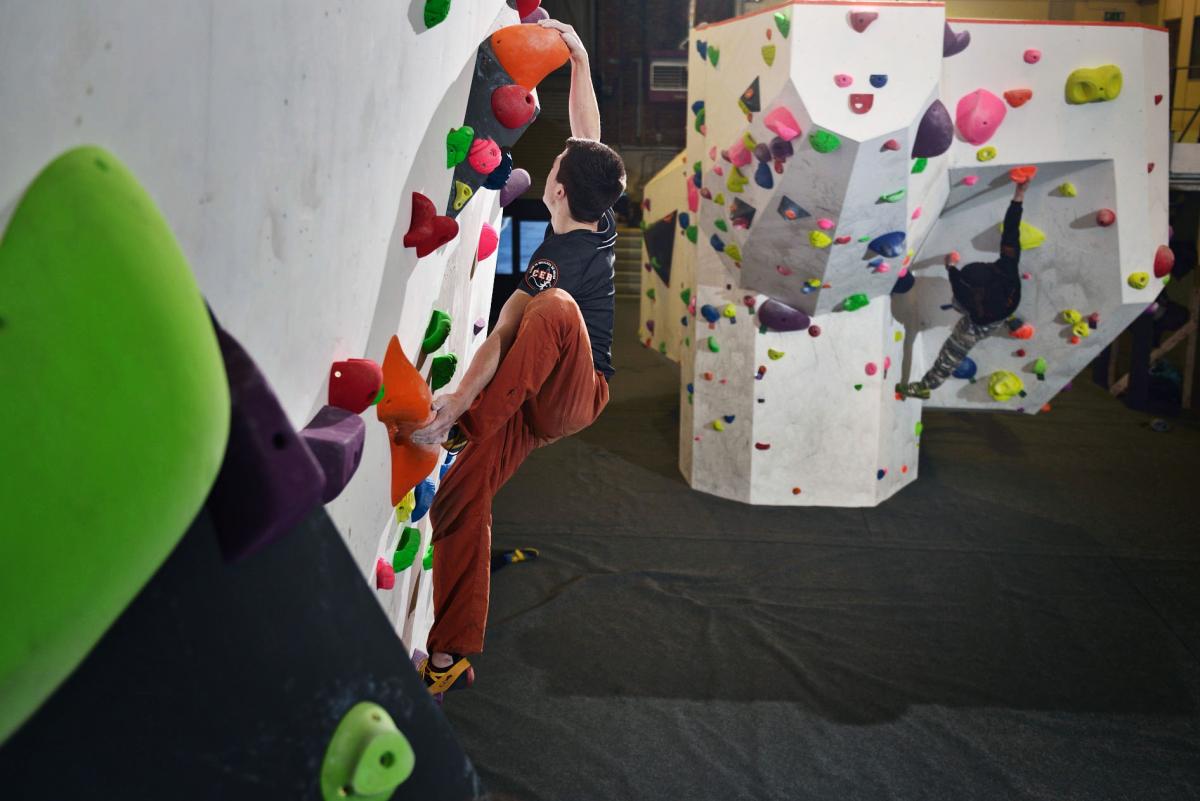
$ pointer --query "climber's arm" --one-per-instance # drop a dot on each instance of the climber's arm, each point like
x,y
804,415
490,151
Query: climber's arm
x,y
584,109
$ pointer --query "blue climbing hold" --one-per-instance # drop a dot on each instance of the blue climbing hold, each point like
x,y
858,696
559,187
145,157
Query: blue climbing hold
x,y
424,493
699,104
879,81
880,473
875,262
702,49
729,418
685,220
498,177
710,313
762,175
691,389
717,244
697,179
966,368
889,244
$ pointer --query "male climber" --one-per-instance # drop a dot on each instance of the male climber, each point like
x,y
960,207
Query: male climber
x,y
987,293
542,374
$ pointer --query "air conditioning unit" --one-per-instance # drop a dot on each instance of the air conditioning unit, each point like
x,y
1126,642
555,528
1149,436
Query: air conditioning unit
x,y
668,77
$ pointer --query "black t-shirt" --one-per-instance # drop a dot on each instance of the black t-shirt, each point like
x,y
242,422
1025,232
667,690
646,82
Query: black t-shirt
x,y
580,262
991,291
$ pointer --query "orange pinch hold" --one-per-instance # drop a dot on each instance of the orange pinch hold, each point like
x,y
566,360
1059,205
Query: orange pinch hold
x,y
529,53
1018,97
1022,175
405,408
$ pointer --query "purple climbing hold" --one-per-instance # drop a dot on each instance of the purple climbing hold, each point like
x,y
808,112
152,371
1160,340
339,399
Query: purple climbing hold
x,y
518,184
782,317
954,43
781,149
650,326
935,134
762,151
479,325
890,244
335,436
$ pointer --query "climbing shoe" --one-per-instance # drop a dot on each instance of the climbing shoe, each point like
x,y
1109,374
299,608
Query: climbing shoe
x,y
504,558
456,440
459,676
913,389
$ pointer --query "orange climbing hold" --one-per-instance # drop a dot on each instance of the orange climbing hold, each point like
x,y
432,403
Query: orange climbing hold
x,y
1018,97
1022,175
529,52
405,408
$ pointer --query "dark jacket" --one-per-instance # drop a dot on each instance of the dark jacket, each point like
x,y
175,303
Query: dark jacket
x,y
991,291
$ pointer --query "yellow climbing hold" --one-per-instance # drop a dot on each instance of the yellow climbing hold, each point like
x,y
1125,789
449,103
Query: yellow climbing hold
x,y
819,239
899,335
1003,385
736,182
774,355
815,283
404,509
729,311
749,142
718,425
1030,237
1067,189
462,193
1139,280
719,199
1071,316
1081,329
733,252
1094,85
985,153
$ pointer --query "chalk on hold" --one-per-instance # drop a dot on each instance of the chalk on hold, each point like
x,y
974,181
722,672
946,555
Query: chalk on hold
x,y
861,20
855,302
978,115
518,184
935,133
385,576
442,370
488,241
782,317
1164,261
1139,280
791,210
1004,385
458,144
781,122
985,153
436,332
428,230
819,239
462,193
513,105
1094,84
890,244
1105,217
529,53
1033,56
954,43
824,141
436,12
354,384
1018,97
1067,189
1022,175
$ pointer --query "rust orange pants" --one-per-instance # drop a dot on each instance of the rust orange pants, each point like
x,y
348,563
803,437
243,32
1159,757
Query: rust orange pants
x,y
546,388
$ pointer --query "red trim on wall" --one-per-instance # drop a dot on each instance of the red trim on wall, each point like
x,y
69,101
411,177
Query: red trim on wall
x,y
775,8
1055,22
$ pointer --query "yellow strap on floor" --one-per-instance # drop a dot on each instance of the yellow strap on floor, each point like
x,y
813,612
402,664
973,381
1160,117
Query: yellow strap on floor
x,y
445,680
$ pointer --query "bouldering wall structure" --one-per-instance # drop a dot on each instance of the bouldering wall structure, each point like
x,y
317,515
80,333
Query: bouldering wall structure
x,y
836,171
306,161
668,259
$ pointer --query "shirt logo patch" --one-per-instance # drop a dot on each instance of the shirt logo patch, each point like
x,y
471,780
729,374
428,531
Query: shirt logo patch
x,y
542,275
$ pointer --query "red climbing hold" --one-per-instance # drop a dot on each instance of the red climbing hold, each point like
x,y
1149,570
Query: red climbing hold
x,y
1018,97
1157,99
385,576
1164,261
763,446
529,52
527,7
513,105
861,20
814,330
428,230
354,384
1106,217
891,144
1150,167
488,240
1026,331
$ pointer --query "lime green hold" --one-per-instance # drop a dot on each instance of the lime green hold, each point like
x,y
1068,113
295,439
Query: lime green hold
x,y
819,239
735,181
775,355
855,301
893,197
117,407
458,145
442,371
713,345
919,165
864,238
918,428
1039,367
650,293
367,757
729,312
427,562
405,508
768,56
719,199
718,425
1003,385
693,232
436,332
824,141
1067,189
1030,236
406,549
733,252
436,12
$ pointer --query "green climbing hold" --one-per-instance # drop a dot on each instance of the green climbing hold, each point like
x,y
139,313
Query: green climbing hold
x,y
858,387
1039,367
697,168
367,757
699,124
427,562
687,342
768,55
919,165
458,145
1003,385
436,332
736,181
442,370
436,11
864,238
650,293
733,252
855,301
713,345
714,55
720,224
893,197
693,233
462,193
406,550
718,425
407,504
686,296
783,22
824,141
918,428
379,395
774,355
662,348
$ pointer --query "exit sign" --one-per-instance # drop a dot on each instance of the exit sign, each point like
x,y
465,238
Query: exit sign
x,y
1114,16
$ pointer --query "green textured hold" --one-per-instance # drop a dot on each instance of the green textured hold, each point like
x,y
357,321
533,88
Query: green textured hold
x,y
713,345
783,22
427,562
855,301
824,141
714,55
458,145
864,239
442,370
436,332
406,550
650,293
1039,367
919,165
892,197
693,233
686,296
918,428
721,225
436,11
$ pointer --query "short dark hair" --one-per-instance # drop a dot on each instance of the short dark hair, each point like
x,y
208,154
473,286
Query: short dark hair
x,y
592,174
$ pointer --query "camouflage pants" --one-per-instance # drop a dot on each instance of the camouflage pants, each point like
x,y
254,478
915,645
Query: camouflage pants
x,y
966,335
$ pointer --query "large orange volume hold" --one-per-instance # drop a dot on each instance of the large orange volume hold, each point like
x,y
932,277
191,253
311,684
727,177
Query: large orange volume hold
x,y
529,52
405,408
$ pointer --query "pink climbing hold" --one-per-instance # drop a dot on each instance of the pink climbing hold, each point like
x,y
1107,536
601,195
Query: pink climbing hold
x,y
783,270
1164,261
488,240
970,180
842,80
385,575
861,20
979,115
887,362
824,223
739,154
1033,56
693,196
712,153
891,144
916,213
1105,217
718,169
872,368
782,124
883,267
484,156
903,271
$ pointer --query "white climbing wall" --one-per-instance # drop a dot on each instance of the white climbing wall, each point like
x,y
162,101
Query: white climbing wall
x,y
663,307
282,140
809,416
